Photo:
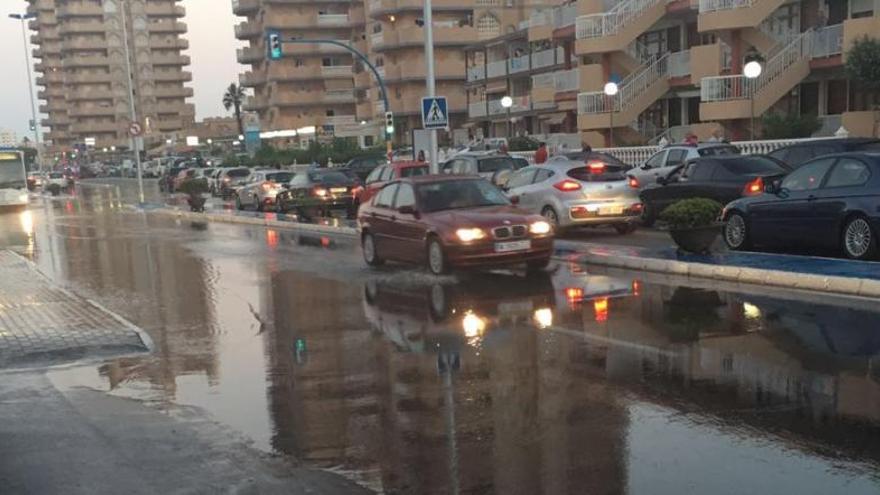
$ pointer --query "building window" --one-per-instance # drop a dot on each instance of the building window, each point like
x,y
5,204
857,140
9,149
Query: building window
x,y
488,27
329,113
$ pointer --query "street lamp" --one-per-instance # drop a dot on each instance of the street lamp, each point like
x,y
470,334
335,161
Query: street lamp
x,y
210,141
27,62
611,89
752,70
507,102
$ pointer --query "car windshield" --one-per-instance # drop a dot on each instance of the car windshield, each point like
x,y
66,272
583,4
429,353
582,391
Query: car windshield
x,y
279,177
238,172
457,194
598,171
56,175
718,151
753,165
413,171
486,165
329,177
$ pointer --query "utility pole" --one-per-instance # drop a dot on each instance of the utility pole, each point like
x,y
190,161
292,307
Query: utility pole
x,y
27,63
429,80
134,139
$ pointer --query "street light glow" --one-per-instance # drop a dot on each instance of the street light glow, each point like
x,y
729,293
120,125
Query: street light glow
x,y
506,102
753,69
611,88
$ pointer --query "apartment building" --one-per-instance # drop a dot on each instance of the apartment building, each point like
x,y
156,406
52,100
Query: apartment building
x,y
82,71
678,65
8,138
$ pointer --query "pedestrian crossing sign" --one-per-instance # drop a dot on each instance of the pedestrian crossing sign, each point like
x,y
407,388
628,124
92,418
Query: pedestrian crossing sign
x,y
434,113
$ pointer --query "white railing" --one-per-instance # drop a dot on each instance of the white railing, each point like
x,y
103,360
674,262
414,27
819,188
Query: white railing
x,y
546,80
377,39
544,58
495,107
565,15
715,5
611,22
338,95
332,19
496,68
828,41
680,64
336,70
477,109
739,87
629,90
539,18
518,64
567,80
476,73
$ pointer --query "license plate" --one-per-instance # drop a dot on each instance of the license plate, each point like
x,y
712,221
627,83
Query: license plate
x,y
611,210
338,190
507,247
515,307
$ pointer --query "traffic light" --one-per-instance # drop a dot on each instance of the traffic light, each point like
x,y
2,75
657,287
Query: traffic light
x,y
33,125
275,46
389,122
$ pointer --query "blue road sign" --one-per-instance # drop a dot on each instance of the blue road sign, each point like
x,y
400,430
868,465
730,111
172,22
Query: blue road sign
x,y
434,113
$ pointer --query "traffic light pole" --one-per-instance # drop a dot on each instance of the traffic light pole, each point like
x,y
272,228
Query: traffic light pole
x,y
27,62
363,58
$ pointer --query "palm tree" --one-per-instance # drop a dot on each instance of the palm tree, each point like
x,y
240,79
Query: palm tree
x,y
234,97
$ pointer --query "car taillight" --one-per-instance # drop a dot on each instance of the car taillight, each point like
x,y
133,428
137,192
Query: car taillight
x,y
568,185
574,294
596,167
633,182
754,187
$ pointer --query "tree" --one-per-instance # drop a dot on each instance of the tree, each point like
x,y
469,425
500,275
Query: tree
x,y
233,98
863,63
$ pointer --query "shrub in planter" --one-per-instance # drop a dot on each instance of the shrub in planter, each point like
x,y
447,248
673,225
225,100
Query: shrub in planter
x,y
194,190
693,223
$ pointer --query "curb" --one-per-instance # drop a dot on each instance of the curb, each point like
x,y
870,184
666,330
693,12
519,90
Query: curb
x,y
847,286
754,276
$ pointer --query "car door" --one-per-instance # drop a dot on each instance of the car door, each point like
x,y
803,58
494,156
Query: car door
x,y
248,192
787,217
649,172
373,182
846,183
381,223
691,181
407,230
519,185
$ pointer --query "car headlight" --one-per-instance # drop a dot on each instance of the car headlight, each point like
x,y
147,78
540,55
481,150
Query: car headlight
x,y
540,228
468,235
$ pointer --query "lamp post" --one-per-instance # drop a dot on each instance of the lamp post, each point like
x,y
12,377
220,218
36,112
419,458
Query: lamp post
x,y
507,102
27,62
752,70
611,89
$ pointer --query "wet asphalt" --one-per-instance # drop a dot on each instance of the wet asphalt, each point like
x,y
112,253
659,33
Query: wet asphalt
x,y
579,381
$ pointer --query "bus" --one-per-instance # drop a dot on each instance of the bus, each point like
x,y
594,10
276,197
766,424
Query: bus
x,y
13,179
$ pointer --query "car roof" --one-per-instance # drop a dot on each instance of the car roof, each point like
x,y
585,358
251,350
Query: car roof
x,y
430,179
408,164
482,154
855,141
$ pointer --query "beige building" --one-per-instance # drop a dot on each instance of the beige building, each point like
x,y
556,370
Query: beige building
x,y
8,138
678,65
81,59
324,86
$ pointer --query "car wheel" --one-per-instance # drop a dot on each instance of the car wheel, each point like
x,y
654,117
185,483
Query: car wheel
x,y
551,216
736,233
649,216
258,205
859,241
537,266
437,258
438,303
279,207
371,255
625,228
238,205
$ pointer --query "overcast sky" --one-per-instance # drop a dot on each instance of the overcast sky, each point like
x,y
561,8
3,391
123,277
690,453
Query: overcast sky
x,y
212,47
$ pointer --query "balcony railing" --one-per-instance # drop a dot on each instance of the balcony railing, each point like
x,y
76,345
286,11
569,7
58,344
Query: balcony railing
x,y
332,19
339,96
476,73
497,68
518,64
828,41
680,64
543,81
377,39
565,15
495,107
739,87
521,104
539,18
336,70
716,5
567,80
611,22
546,58
631,88
477,109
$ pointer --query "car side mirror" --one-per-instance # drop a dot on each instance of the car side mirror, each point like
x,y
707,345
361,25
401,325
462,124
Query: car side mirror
x,y
407,210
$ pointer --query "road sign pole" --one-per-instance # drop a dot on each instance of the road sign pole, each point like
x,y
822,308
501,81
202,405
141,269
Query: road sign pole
x,y
134,141
429,81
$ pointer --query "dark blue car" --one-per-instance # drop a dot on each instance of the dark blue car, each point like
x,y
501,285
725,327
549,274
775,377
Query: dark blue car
x,y
831,202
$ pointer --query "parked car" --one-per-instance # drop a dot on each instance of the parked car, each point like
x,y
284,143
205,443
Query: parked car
x,y
796,155
230,179
451,222
166,182
493,167
317,192
722,178
215,179
262,189
55,179
663,162
831,202
571,193
34,180
363,165
204,173
383,174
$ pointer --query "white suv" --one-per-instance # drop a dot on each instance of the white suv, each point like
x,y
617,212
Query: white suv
x,y
664,161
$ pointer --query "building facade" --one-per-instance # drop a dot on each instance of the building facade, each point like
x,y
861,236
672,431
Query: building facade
x,y
81,69
8,138
678,65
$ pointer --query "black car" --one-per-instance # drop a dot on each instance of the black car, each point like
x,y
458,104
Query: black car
x,y
796,155
363,165
831,202
318,192
722,178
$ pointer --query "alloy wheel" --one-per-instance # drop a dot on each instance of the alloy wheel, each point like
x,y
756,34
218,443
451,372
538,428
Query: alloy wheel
x,y
858,238
551,216
436,261
735,231
369,248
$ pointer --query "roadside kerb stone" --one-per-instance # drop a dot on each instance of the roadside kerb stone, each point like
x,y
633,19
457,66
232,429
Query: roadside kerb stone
x,y
264,222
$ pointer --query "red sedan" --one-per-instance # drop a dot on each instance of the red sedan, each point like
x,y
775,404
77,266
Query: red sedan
x,y
451,222
383,174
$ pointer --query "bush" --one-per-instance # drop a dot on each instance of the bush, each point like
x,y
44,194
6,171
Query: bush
x,y
691,213
778,126
863,62
193,187
523,143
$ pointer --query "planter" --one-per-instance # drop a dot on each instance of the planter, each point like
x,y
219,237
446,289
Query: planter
x,y
697,239
196,203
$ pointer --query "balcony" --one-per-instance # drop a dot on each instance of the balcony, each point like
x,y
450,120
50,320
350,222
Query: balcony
x,y
89,61
476,73
173,76
547,58
244,7
90,27
166,10
92,94
168,44
828,42
169,59
56,120
247,30
336,71
382,7
98,127
169,124
252,79
166,26
177,92
680,64
637,92
734,14
250,54
255,104
80,10
377,39
477,109
312,98
444,35
87,111
497,68
81,44
557,82
518,64
615,29
316,48
333,19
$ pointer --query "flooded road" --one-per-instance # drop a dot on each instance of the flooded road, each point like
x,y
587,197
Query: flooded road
x,y
579,381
